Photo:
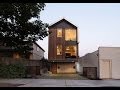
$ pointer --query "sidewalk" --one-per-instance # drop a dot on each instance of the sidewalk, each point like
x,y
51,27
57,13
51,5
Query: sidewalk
x,y
58,83
9,85
46,77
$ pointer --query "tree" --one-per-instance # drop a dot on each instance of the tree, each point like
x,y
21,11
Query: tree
x,y
16,30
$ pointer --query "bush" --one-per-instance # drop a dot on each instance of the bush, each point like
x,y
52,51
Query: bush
x,y
3,70
16,70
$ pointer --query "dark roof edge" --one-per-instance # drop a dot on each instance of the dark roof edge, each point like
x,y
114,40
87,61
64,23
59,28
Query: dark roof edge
x,y
60,61
39,46
60,21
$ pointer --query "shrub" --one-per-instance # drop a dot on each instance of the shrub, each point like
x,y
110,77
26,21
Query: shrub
x,y
16,70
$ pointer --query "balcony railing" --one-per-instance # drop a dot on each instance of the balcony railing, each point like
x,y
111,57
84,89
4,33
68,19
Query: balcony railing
x,y
70,56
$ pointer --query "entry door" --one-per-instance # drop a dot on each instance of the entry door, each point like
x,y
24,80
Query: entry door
x,y
54,68
106,69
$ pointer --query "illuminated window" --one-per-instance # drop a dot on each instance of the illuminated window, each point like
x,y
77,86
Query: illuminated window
x,y
59,49
59,32
70,51
70,35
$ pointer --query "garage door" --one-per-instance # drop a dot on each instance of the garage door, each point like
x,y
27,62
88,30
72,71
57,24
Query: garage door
x,y
90,72
66,68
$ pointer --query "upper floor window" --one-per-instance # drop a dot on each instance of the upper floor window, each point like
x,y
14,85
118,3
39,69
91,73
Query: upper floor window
x,y
59,49
59,32
70,35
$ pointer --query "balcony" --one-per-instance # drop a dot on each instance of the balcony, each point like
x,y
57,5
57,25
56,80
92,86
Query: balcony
x,y
71,42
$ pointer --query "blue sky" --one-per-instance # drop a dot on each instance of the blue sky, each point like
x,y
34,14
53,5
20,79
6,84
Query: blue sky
x,y
98,23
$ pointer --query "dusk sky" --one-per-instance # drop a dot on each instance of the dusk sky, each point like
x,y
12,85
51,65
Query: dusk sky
x,y
98,23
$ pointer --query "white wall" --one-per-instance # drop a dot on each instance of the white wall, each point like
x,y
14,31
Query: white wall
x,y
112,54
77,65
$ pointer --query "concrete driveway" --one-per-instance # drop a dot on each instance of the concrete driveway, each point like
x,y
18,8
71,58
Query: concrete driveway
x,y
63,76
61,83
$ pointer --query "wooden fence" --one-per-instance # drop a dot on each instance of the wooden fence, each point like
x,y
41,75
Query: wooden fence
x,y
34,67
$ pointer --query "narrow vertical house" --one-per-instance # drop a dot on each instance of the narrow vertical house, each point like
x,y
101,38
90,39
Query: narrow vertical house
x,y
63,47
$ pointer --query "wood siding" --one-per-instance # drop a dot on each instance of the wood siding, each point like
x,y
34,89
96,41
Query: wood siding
x,y
52,47
54,68
54,41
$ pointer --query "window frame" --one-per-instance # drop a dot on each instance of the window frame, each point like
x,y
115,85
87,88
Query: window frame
x,y
69,51
66,36
59,29
59,50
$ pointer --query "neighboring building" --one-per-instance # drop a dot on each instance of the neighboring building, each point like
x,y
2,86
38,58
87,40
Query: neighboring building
x,y
107,62
63,47
36,54
89,65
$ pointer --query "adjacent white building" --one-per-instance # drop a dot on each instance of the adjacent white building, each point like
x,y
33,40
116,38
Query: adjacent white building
x,y
106,60
109,62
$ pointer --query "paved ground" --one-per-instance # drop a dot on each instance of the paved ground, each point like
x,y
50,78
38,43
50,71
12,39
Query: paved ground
x,y
59,80
9,85
63,76
60,83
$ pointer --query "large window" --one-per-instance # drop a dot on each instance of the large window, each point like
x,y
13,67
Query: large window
x,y
59,32
59,49
70,52
70,35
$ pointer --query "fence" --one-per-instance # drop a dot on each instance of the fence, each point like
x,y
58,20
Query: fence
x,y
33,67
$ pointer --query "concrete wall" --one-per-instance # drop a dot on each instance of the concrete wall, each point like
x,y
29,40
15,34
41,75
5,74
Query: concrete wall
x,y
77,65
89,60
112,55
66,68
37,54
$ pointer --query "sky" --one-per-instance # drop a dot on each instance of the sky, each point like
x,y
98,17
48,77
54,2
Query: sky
x,y
98,24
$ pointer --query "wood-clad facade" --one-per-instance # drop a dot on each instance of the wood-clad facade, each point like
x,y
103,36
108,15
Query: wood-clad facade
x,y
63,47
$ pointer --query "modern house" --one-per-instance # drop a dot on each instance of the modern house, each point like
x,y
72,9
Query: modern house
x,y
36,54
103,63
63,47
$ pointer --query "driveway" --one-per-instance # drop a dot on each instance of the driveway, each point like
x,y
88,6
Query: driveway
x,y
60,83
63,76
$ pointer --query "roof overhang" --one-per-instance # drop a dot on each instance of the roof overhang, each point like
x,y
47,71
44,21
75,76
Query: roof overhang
x,y
60,61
